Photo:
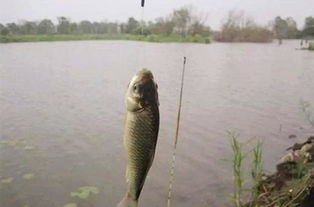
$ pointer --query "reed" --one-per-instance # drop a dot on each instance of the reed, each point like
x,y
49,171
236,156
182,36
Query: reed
x,y
257,169
237,161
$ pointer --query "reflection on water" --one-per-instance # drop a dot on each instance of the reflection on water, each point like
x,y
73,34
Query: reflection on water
x,y
62,111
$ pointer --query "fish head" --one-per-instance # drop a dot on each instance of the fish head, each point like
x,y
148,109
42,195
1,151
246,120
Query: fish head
x,y
142,91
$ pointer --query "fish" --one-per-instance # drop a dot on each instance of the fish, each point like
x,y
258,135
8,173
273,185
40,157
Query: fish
x,y
140,133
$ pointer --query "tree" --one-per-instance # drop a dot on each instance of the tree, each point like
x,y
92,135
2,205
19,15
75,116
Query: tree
x,y
3,30
231,26
181,19
280,28
86,27
13,28
46,26
309,22
308,29
292,30
113,28
162,26
197,25
63,25
239,28
73,28
131,26
29,27
98,28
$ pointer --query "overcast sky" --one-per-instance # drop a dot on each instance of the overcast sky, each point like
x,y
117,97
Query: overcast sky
x,y
119,10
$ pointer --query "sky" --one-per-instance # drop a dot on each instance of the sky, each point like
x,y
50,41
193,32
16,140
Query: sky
x,y
262,11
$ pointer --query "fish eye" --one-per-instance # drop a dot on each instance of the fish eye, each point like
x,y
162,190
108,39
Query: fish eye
x,y
134,87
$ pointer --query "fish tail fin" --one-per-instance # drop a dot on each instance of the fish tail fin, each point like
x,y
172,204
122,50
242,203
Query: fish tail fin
x,y
127,202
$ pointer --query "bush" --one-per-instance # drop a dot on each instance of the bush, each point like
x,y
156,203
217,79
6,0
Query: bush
x,y
311,46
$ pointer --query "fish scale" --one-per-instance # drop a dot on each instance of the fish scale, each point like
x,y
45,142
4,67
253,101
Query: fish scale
x,y
141,145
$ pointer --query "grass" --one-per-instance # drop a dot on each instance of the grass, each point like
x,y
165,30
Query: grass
x,y
311,46
257,169
76,37
238,157
84,192
267,191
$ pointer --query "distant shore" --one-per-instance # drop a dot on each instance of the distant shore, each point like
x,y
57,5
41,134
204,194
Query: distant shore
x,y
76,37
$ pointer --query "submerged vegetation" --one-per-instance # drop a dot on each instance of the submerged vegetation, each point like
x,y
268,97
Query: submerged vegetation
x,y
84,192
185,24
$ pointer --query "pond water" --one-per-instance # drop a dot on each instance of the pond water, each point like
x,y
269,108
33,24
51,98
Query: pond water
x,y
62,112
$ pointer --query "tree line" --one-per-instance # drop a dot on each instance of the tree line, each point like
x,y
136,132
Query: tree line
x,y
287,28
238,28
184,21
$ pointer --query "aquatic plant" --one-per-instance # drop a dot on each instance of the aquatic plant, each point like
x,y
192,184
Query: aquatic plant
x,y
84,192
9,142
238,157
70,205
257,169
28,176
7,180
29,147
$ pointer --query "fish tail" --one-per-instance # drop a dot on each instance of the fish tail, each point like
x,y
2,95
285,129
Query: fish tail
x,y
127,202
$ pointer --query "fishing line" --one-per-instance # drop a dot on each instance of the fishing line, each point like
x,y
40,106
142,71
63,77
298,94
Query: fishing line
x,y
141,47
172,170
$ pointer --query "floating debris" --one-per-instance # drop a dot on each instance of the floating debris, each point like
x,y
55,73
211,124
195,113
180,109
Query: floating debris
x,y
28,176
7,180
9,142
85,192
29,147
70,205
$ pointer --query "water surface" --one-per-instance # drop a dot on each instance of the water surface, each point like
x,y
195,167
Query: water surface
x,y
62,108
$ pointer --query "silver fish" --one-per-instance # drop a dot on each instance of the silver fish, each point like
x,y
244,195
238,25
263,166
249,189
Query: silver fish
x,y
140,134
